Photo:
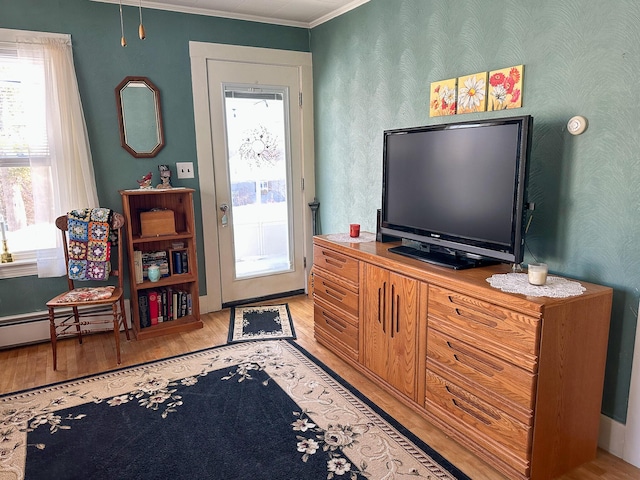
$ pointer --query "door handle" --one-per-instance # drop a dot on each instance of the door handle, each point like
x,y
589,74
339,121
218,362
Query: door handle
x,y
224,208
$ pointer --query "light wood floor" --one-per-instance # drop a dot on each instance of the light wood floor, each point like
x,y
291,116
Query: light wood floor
x,y
31,366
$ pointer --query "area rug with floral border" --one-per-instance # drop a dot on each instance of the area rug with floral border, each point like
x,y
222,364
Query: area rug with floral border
x,y
252,410
256,322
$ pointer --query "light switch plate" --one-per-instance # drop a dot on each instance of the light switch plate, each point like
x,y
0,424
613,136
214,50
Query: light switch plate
x,y
185,169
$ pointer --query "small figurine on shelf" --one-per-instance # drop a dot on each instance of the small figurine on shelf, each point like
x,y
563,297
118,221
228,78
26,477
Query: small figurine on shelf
x,y
145,182
165,176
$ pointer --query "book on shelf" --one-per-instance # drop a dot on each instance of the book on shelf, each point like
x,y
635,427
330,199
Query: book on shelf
x,y
153,307
185,261
143,309
162,300
168,298
183,304
174,304
177,262
137,266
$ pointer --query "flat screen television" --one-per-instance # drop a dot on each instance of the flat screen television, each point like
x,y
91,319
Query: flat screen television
x,y
457,191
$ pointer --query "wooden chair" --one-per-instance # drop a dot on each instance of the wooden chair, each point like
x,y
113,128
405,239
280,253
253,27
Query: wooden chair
x,y
90,312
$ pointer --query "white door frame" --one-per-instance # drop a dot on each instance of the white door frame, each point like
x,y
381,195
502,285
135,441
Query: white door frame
x,y
631,451
200,54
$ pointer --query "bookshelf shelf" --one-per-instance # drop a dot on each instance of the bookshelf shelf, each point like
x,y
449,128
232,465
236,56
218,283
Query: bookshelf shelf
x,y
180,236
176,287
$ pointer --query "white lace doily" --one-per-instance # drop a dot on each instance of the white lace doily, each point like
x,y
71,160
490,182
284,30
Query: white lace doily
x,y
344,237
555,287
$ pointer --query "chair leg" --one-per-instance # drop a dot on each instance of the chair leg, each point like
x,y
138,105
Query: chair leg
x,y
123,316
52,332
116,330
76,316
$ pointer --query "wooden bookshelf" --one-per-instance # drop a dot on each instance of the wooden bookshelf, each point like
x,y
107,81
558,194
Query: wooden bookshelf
x,y
180,202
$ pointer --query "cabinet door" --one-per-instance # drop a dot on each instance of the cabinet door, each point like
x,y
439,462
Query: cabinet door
x,y
374,320
390,320
402,333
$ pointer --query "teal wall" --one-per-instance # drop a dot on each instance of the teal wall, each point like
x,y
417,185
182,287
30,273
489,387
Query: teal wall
x,y
101,63
372,71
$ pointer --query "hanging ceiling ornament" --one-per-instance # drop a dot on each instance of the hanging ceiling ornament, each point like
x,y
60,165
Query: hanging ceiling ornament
x,y
123,41
141,33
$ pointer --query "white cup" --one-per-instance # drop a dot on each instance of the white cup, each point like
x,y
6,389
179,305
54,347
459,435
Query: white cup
x,y
537,273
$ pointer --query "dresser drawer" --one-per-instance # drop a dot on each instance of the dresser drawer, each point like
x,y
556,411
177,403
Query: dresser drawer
x,y
487,427
510,335
335,292
329,321
336,263
496,377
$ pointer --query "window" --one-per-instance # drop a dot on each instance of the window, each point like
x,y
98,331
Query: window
x,y
45,159
25,161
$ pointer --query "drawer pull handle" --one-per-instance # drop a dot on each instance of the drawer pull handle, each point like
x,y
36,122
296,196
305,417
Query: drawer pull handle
x,y
466,303
476,318
334,292
334,263
334,322
473,360
462,399
334,260
468,411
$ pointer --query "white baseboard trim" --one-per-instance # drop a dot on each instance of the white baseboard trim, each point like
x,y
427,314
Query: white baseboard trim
x,y
207,304
612,435
24,333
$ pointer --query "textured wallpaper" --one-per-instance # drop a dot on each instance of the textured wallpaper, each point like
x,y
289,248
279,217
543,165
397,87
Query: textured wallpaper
x,y
372,70
101,63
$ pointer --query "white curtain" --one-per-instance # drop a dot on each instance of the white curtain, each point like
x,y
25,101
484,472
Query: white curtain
x,y
71,183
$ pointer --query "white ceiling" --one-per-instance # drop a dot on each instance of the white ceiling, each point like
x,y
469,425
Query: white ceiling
x,y
297,13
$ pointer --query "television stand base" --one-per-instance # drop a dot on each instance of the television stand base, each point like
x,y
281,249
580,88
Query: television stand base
x,y
441,259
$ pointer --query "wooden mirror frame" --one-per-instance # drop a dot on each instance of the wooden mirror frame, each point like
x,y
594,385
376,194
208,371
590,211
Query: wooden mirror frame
x,y
121,116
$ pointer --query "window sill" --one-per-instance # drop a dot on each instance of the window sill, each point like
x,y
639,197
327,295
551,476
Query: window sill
x,y
18,268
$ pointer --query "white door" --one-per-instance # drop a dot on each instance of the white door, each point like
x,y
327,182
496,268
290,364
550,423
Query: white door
x,y
258,203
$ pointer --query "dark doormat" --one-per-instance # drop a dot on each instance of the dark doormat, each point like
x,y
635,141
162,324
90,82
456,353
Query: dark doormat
x,y
268,322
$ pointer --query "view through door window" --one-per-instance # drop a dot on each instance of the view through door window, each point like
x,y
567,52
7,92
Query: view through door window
x,y
258,165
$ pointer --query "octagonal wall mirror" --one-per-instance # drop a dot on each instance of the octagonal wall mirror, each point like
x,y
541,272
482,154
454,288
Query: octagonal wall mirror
x,y
139,114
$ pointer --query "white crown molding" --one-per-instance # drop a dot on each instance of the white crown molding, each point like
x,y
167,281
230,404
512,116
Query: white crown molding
x,y
337,13
238,16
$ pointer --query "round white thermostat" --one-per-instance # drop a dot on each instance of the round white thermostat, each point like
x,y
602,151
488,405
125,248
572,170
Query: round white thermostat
x,y
577,125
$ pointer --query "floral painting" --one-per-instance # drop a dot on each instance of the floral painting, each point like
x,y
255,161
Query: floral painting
x,y
442,100
505,88
472,93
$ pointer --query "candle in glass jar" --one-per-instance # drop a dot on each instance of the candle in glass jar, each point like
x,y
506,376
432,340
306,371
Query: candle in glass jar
x,y
537,273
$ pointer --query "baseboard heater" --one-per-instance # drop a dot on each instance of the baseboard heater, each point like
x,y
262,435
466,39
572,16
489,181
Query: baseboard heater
x,y
31,328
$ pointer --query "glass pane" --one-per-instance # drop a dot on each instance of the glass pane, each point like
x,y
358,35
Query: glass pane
x,y
257,139
22,230
25,165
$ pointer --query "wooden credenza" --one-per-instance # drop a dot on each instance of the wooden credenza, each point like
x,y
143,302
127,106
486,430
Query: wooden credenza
x,y
517,380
